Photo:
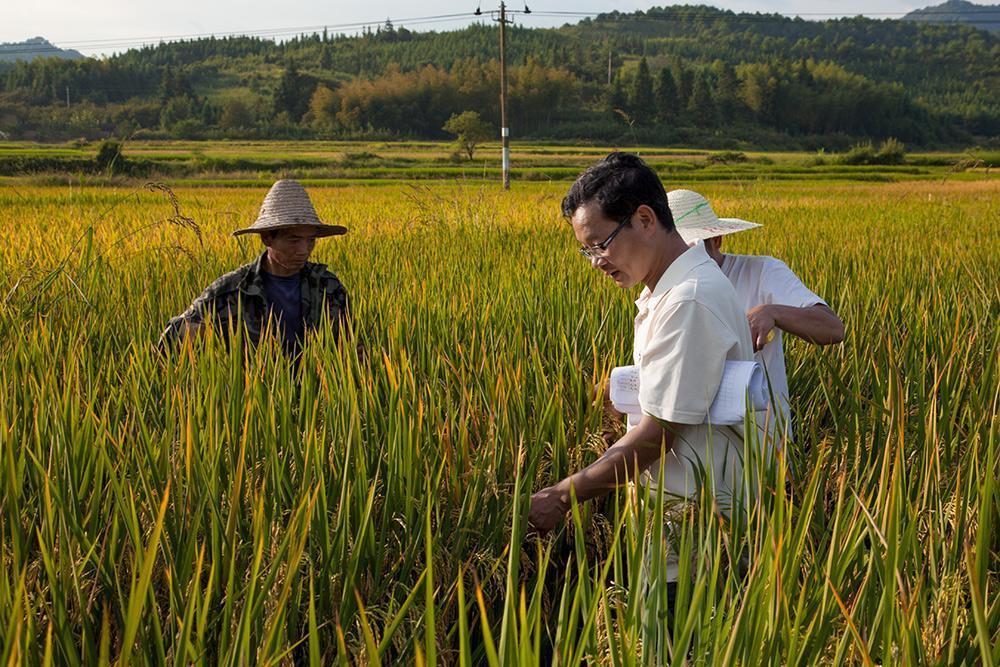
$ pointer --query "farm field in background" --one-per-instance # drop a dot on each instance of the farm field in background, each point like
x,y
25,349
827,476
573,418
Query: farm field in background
x,y
212,507
331,162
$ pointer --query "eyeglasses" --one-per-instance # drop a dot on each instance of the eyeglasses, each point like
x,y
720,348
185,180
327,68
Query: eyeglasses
x,y
597,250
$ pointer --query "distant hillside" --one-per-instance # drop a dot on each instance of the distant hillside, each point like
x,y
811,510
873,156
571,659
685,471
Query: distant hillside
x,y
984,17
36,47
667,75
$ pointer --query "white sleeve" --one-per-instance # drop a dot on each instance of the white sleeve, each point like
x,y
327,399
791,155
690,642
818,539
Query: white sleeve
x,y
682,364
780,286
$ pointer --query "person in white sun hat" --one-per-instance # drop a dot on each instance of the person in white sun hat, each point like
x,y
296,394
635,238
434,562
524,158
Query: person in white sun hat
x,y
775,299
281,289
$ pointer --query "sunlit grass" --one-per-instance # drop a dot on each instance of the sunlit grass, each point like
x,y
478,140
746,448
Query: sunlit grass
x,y
217,507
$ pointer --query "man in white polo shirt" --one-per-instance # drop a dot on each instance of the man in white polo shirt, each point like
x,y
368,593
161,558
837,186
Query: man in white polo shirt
x,y
689,323
773,297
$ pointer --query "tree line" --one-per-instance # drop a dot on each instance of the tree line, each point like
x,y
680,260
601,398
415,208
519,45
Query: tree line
x,y
665,75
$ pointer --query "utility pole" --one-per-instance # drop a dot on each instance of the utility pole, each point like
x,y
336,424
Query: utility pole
x,y
504,127
503,17
67,97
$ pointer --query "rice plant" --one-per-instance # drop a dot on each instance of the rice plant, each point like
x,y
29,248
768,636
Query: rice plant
x,y
217,506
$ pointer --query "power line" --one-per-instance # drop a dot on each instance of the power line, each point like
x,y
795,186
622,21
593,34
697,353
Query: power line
x,y
133,42
96,44
768,15
775,17
137,42
766,18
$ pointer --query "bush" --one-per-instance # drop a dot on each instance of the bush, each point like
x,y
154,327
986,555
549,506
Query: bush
x,y
862,153
356,158
890,152
975,159
817,160
109,156
726,157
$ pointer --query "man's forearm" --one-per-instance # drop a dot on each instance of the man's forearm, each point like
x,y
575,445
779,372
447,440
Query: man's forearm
x,y
817,324
634,452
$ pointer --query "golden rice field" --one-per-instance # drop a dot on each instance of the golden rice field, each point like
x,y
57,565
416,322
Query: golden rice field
x,y
211,507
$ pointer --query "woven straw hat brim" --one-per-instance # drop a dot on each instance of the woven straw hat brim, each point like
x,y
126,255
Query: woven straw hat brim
x,y
288,205
322,229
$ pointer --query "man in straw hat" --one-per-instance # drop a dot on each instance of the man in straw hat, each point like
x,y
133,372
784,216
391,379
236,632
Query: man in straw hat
x,y
774,298
689,323
281,287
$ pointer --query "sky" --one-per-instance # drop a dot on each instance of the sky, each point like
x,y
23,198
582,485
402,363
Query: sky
x,y
96,27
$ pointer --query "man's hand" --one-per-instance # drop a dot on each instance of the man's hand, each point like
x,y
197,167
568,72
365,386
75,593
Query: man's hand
x,y
817,324
178,330
762,325
548,508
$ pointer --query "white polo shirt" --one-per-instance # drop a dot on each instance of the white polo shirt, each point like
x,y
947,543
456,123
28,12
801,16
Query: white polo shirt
x,y
685,331
765,280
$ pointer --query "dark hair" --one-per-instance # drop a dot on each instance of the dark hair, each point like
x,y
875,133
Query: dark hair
x,y
619,183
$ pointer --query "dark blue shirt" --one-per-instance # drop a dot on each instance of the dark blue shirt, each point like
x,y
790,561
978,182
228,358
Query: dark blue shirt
x,y
284,300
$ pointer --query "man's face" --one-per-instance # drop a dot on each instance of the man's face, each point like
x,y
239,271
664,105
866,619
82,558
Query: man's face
x,y
620,260
288,250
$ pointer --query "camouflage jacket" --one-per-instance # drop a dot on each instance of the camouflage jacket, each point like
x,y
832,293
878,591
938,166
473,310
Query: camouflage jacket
x,y
239,296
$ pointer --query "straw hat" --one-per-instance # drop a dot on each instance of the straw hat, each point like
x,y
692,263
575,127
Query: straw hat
x,y
695,220
288,205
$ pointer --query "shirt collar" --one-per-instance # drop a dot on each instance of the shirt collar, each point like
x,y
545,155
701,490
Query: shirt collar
x,y
253,282
314,270
694,256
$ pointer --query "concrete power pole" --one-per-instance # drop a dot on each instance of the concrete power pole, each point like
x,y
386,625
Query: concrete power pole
x,y
503,18
504,128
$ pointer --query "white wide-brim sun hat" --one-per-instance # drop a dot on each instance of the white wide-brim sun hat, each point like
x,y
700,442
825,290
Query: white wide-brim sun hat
x,y
287,204
695,220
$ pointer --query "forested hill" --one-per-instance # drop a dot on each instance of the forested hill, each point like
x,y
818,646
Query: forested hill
x,y
984,17
36,47
690,74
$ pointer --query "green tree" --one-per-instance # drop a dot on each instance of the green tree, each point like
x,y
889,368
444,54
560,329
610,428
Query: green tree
x,y
469,129
323,107
293,93
174,84
760,91
665,96
177,109
702,106
616,100
236,115
683,78
641,100
727,90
